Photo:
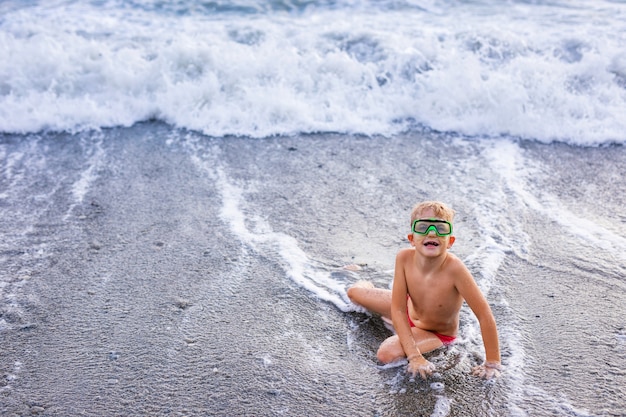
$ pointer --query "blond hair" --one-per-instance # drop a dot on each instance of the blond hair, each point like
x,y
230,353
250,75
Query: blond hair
x,y
440,209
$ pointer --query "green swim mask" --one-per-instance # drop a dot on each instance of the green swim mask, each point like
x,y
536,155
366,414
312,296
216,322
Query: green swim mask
x,y
424,226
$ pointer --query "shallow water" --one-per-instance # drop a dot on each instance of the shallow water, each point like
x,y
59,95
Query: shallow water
x,y
148,270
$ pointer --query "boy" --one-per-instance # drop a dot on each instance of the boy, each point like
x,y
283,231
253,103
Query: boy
x,y
429,287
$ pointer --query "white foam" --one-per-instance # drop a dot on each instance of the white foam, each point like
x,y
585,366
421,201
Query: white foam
x,y
516,171
437,386
230,212
544,72
509,162
442,406
82,185
9,171
88,176
282,248
487,258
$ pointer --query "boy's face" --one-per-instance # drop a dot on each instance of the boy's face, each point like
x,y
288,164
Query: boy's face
x,y
430,244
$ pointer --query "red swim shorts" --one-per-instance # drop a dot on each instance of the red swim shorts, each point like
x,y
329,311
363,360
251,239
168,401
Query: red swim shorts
x,y
445,339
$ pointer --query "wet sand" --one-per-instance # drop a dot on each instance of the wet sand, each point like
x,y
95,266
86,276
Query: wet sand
x,y
128,290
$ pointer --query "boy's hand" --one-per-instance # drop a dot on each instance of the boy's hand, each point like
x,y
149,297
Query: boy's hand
x,y
417,364
488,370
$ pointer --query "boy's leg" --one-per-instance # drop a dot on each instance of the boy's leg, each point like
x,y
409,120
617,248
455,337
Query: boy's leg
x,y
391,349
376,300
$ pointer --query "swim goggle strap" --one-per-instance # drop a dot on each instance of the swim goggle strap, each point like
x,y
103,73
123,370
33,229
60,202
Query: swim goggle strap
x,y
424,226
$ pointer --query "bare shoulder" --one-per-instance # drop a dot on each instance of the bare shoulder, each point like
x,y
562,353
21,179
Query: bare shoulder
x,y
404,254
454,261
457,268
463,279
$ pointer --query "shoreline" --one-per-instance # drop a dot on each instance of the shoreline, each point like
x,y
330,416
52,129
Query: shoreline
x,y
128,278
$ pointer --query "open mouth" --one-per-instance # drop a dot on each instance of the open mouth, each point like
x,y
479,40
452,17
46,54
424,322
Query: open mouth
x,y
431,243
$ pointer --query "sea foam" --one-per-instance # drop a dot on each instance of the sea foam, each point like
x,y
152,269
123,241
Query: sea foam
x,y
545,72
281,247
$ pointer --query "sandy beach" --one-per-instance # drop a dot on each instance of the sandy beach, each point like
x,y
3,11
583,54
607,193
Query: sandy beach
x,y
153,271
188,188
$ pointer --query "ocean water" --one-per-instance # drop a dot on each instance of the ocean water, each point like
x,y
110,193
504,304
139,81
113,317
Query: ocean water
x,y
183,183
542,70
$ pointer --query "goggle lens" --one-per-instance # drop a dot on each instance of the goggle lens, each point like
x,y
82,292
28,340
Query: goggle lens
x,y
424,226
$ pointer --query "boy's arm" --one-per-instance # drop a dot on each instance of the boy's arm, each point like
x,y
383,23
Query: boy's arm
x,y
469,290
417,363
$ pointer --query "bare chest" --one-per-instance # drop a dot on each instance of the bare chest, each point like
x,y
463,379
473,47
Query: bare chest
x,y
434,296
